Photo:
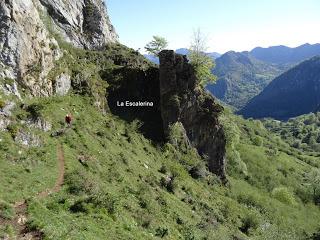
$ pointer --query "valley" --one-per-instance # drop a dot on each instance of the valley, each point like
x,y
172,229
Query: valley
x,y
149,151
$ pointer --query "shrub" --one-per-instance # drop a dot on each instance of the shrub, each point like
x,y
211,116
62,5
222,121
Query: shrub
x,y
283,195
6,211
315,236
2,104
168,183
35,110
162,232
257,140
250,222
79,182
105,200
251,200
13,129
163,169
79,207
198,171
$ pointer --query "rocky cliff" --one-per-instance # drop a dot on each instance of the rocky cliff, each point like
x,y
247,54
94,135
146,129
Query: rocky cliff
x,y
182,101
31,32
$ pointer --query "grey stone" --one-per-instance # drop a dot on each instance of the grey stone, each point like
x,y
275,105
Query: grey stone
x,y
28,48
27,139
39,123
4,122
62,84
6,110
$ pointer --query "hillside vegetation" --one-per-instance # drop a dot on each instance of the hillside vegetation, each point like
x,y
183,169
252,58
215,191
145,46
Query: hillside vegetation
x,y
293,93
302,132
121,185
241,77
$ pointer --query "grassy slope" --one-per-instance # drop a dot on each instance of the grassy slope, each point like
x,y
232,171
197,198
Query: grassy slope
x,y
119,190
116,193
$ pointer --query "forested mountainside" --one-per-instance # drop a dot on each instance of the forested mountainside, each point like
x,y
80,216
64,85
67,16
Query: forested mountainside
x,y
241,77
293,93
302,132
185,168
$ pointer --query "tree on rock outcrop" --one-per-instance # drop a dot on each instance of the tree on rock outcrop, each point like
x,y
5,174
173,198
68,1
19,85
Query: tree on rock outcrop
x,y
202,63
156,45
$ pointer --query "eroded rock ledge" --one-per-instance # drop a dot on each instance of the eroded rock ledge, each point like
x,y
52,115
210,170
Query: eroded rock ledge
x,y
182,101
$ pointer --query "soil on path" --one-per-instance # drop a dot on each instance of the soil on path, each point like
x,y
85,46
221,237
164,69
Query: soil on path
x,y
19,222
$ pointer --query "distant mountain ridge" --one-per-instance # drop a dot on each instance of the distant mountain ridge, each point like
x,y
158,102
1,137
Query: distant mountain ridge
x,y
283,54
293,93
183,51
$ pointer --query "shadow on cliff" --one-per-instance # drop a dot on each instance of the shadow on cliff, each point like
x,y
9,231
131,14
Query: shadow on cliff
x,y
132,84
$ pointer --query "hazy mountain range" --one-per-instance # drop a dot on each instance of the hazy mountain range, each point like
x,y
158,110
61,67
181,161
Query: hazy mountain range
x,y
283,55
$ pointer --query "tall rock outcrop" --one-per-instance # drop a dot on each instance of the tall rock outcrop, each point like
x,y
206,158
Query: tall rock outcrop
x,y
182,101
29,30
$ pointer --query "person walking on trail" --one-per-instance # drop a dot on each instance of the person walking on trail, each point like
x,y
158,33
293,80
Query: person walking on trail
x,y
68,120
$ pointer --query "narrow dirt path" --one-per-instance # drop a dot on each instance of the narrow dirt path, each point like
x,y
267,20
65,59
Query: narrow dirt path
x,y
20,219
60,179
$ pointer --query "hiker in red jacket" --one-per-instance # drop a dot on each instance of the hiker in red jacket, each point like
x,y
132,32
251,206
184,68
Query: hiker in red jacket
x,y
68,120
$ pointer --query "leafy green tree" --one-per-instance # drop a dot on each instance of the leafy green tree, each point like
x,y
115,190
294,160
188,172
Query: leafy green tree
x,y
202,63
156,45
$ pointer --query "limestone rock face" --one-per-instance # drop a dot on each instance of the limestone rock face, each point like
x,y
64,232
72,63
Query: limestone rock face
x,y
84,23
25,52
62,84
182,101
30,31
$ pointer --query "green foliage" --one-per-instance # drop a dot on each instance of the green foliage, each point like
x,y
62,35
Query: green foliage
x,y
283,195
273,102
6,210
313,180
162,232
203,66
2,104
302,132
241,77
120,187
13,129
156,45
34,110
250,222
202,63
118,180
257,140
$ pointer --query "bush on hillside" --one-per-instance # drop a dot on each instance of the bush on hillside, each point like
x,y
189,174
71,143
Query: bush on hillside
x,y
250,222
35,110
2,104
283,195
257,140
6,210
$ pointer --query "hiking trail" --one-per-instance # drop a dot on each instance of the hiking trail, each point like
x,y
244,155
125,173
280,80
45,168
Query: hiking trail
x,y
19,222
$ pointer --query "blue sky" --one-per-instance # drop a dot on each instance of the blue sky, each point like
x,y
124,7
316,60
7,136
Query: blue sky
x,y
228,24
